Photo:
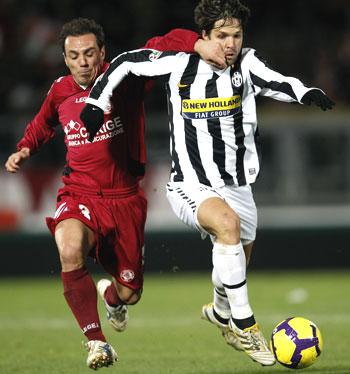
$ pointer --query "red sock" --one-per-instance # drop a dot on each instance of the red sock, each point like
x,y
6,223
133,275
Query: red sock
x,y
111,296
81,295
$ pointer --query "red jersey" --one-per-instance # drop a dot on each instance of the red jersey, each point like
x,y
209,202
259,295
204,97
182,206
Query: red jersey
x,y
116,157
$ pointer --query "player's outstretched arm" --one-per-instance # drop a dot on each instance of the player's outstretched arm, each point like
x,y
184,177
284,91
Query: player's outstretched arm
x,y
317,97
14,161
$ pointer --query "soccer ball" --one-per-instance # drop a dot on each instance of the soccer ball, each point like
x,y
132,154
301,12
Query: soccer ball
x,y
296,342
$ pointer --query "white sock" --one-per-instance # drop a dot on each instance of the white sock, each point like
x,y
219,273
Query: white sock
x,y
221,304
230,265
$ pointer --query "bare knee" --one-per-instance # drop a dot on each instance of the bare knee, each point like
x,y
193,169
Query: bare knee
x,y
220,220
228,228
73,240
71,255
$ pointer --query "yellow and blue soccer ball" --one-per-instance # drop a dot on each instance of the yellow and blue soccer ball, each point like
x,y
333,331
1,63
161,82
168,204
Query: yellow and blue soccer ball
x,y
296,342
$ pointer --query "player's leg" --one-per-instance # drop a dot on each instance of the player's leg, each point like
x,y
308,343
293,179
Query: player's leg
x,y
184,201
205,209
74,240
116,293
217,218
116,298
220,305
218,312
229,261
125,264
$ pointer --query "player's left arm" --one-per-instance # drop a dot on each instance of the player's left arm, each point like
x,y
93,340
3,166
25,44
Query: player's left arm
x,y
270,83
141,62
318,97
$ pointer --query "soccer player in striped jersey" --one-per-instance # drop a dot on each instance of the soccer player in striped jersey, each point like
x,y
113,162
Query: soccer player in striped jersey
x,y
214,150
101,209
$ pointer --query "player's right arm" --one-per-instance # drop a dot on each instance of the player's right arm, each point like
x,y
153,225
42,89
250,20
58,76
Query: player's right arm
x,y
183,40
37,132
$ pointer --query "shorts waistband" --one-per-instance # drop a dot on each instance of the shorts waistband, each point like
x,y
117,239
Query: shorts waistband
x,y
110,193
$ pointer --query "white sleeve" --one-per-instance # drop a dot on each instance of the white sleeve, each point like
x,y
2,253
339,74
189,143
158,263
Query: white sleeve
x,y
270,83
141,62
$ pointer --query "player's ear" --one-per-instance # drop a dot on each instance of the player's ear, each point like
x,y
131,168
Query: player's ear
x,y
103,53
205,35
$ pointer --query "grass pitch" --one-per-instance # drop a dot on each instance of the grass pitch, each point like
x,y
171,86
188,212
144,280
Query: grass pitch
x,y
166,334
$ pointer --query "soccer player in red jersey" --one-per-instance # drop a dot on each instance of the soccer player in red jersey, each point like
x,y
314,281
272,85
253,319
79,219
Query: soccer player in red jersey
x,y
101,209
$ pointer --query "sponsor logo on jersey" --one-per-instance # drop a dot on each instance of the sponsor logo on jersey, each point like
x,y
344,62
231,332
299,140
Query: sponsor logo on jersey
x,y
237,79
210,108
79,100
127,275
154,55
77,135
71,126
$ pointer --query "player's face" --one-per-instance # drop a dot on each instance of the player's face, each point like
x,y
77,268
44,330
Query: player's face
x,y
83,58
229,34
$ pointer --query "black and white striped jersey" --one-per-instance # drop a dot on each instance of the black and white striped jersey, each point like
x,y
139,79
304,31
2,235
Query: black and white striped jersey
x,y
212,113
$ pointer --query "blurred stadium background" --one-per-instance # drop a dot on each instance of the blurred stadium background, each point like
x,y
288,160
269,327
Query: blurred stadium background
x,y
303,193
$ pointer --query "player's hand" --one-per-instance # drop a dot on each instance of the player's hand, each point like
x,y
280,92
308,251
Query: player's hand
x,y
92,117
211,52
13,163
318,98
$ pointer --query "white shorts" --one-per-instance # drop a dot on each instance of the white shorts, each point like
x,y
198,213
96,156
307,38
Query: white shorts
x,y
186,199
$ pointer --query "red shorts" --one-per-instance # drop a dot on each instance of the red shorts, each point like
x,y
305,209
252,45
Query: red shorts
x,y
117,217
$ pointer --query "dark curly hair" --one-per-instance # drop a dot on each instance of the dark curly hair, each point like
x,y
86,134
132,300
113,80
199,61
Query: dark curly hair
x,y
207,12
82,26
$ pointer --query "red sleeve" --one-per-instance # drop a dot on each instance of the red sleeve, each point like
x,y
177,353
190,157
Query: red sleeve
x,y
180,40
41,129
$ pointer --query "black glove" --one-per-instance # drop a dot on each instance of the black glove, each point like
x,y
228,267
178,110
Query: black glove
x,y
92,117
318,98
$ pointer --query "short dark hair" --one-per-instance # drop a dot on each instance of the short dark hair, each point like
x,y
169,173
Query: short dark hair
x,y
82,26
207,12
